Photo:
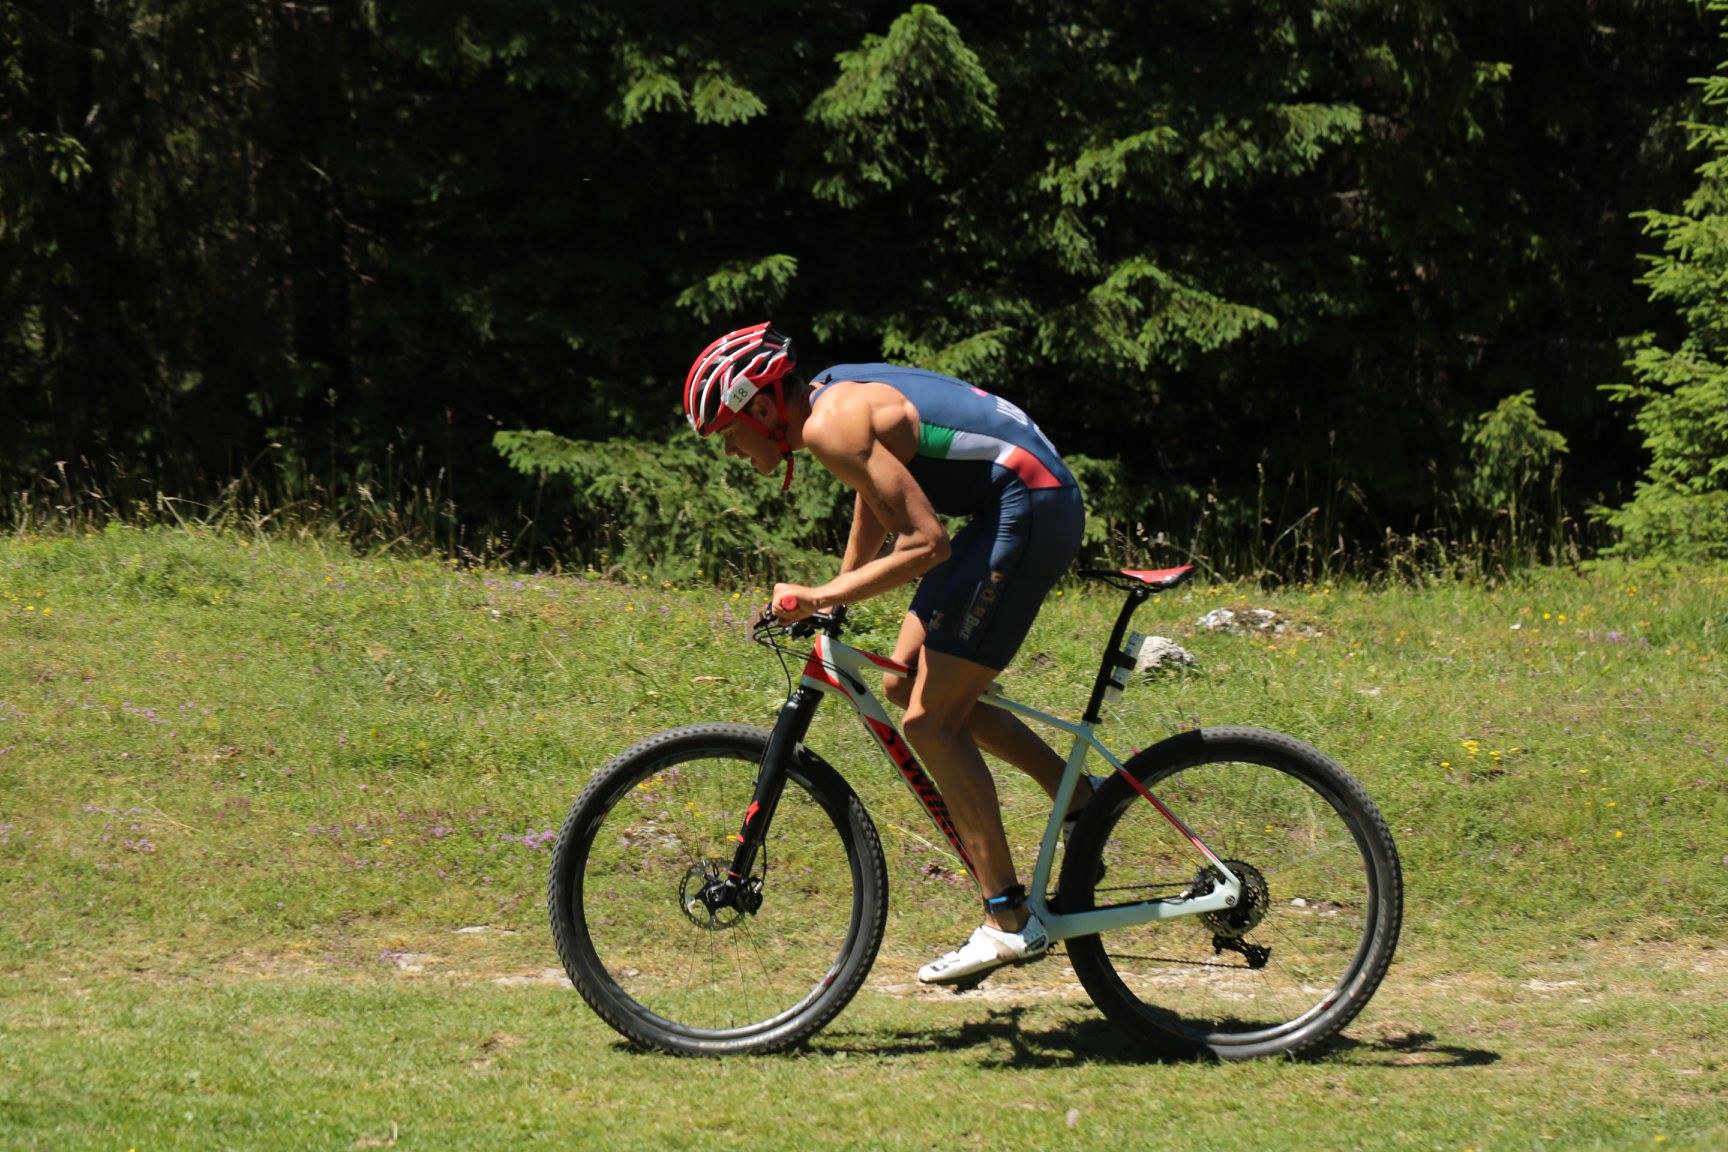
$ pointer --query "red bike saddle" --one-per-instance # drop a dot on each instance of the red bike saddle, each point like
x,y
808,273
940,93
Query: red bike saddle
x,y
1158,579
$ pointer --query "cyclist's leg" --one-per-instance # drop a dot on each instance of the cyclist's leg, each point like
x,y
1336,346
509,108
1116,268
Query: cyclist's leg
x,y
943,696
986,597
998,732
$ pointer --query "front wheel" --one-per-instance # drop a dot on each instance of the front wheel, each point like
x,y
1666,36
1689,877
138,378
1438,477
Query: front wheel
x,y
651,831
1321,906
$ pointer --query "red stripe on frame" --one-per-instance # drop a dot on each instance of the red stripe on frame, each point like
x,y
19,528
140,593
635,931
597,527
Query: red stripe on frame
x,y
1170,816
922,787
816,670
890,665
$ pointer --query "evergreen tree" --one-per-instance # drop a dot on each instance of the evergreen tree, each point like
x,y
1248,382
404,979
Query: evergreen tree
x,y
1681,393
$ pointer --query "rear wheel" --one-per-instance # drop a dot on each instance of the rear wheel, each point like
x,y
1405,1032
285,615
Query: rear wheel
x,y
652,834
1319,917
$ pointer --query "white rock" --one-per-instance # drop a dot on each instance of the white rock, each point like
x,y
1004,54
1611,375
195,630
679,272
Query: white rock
x,y
1161,652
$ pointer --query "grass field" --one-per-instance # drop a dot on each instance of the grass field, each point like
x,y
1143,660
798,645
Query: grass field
x,y
273,848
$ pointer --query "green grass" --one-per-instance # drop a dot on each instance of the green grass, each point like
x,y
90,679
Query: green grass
x,y
250,790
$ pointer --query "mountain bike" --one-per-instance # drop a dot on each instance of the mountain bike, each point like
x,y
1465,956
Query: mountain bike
x,y
720,888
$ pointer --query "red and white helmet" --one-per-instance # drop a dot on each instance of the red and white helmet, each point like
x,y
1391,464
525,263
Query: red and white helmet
x,y
730,372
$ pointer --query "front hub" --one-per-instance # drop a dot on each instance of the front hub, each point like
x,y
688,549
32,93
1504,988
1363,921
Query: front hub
x,y
712,900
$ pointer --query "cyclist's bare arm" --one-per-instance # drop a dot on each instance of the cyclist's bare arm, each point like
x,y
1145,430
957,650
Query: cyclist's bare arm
x,y
847,437
865,543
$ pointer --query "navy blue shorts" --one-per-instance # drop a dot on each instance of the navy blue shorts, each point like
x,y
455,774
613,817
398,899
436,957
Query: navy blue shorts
x,y
980,602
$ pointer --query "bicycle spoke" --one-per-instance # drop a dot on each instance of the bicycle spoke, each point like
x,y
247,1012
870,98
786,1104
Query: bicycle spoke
x,y
733,973
1265,974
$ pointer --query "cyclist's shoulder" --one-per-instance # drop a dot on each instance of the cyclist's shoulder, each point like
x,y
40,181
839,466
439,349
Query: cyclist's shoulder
x,y
851,420
892,375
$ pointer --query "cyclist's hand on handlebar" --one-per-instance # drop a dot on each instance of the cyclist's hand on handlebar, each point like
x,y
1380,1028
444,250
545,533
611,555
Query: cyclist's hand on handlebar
x,y
792,602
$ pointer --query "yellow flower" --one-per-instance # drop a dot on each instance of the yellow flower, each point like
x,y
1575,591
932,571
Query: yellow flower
x,y
1618,834
1445,763
1562,617
47,612
1547,616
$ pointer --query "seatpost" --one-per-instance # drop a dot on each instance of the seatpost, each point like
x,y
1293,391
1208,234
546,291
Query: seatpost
x,y
1137,596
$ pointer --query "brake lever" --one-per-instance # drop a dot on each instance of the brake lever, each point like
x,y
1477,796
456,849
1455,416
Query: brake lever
x,y
763,620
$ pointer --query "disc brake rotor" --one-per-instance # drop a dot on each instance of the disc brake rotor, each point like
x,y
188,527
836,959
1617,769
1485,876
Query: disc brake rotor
x,y
701,881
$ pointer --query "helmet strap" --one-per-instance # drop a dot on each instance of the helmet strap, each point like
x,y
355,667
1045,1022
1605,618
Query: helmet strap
x,y
777,433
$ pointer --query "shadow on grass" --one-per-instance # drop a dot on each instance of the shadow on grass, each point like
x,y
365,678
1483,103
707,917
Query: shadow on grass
x,y
1002,1042
1411,1050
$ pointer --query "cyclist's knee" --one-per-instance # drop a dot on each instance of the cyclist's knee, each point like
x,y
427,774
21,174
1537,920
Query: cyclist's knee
x,y
924,729
898,689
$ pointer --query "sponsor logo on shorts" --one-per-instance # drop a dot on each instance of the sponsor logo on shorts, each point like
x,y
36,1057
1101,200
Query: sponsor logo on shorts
x,y
982,601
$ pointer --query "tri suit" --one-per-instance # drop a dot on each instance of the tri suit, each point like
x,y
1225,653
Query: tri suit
x,y
980,457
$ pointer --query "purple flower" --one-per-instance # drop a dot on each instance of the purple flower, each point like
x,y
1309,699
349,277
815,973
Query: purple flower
x,y
1613,637
531,839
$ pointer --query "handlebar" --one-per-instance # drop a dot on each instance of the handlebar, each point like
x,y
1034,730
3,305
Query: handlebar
x,y
830,622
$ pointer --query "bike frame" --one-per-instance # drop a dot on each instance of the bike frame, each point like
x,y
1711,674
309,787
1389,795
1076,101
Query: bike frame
x,y
837,669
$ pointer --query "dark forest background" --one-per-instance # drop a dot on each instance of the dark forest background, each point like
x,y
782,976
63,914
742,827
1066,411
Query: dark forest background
x,y
1315,276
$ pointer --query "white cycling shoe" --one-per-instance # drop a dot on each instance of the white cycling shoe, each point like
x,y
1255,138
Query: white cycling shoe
x,y
988,949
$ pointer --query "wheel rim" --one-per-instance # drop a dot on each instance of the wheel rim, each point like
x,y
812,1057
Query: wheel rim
x,y
743,974
1304,855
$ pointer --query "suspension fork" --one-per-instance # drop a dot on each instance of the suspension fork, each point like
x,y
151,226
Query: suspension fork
x,y
789,731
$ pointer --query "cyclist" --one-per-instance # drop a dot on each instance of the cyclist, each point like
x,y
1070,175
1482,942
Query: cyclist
x,y
915,445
